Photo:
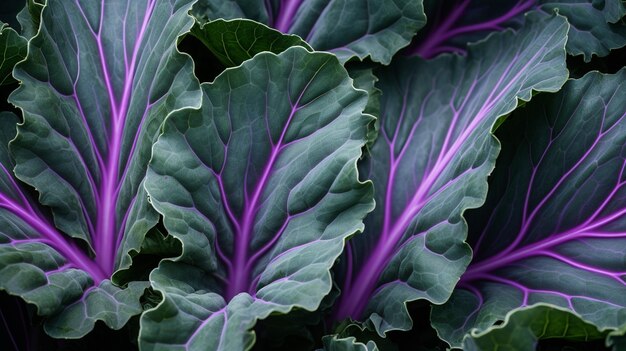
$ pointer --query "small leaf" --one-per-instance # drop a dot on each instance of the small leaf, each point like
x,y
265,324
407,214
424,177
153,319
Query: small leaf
x,y
13,49
523,328
236,41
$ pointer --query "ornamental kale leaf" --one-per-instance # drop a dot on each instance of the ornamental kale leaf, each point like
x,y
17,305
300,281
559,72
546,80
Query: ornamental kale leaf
x,y
552,230
92,105
430,163
261,187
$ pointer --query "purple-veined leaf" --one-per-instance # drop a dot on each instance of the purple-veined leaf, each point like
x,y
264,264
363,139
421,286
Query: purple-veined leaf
x,y
430,163
347,28
452,24
552,230
261,186
99,79
41,266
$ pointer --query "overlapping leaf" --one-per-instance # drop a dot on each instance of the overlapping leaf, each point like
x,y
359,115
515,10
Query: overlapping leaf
x,y
553,228
595,24
523,329
347,28
431,162
261,187
13,42
235,41
98,81
30,17
13,49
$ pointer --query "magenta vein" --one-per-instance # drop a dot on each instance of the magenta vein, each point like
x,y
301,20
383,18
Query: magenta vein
x,y
107,220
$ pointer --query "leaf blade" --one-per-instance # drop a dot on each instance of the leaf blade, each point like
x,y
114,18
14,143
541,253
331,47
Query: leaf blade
x,y
99,79
13,48
595,27
268,193
413,247
524,328
235,41
531,265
